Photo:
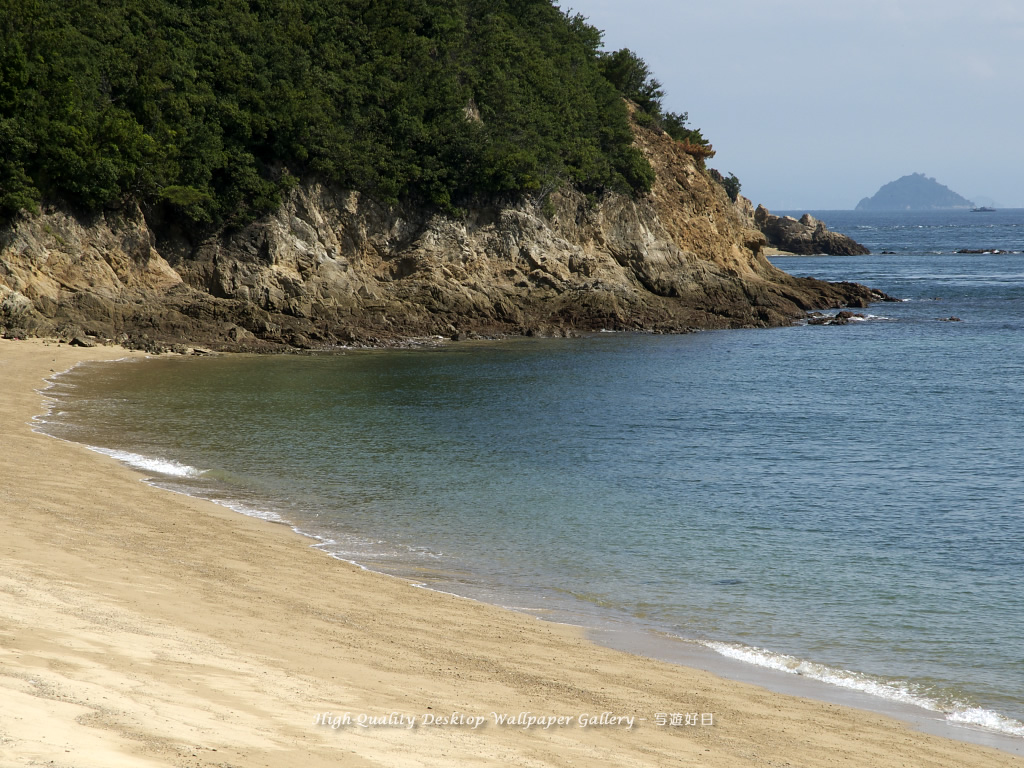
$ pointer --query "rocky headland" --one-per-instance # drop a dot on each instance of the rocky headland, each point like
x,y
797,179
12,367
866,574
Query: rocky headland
x,y
334,267
804,236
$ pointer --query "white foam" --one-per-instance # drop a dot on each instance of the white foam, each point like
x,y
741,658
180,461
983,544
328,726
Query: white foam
x,y
893,690
782,662
151,463
986,718
244,509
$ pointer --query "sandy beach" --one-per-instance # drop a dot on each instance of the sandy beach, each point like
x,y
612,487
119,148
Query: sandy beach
x,y
145,628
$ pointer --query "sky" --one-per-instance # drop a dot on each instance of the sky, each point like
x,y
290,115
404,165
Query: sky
x,y
815,104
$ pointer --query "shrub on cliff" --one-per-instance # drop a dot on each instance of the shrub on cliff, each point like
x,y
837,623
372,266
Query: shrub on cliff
x,y
732,186
632,77
729,183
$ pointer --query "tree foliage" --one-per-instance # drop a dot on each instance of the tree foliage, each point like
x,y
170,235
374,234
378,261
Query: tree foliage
x,y
633,78
729,183
211,109
631,75
732,187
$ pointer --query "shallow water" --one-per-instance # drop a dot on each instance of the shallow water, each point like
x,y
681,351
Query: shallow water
x,y
842,502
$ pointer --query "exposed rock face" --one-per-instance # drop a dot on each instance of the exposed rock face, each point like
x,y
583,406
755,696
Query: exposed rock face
x,y
804,236
333,266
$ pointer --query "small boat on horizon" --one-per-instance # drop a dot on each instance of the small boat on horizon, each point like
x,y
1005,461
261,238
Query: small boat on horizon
x,y
983,209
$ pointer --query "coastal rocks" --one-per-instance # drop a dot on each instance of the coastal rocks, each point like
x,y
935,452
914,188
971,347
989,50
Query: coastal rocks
x,y
840,318
336,267
805,236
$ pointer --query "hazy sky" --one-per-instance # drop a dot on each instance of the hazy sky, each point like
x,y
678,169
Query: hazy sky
x,y
816,104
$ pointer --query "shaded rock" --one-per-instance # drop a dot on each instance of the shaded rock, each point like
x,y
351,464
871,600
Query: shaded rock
x,y
805,236
81,341
845,316
143,343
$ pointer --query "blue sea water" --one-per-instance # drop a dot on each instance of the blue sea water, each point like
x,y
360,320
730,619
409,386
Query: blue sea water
x,y
842,502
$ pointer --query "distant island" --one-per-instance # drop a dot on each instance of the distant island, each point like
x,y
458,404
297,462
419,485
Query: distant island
x,y
915,192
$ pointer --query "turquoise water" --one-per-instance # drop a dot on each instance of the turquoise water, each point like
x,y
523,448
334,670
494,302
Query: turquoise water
x,y
843,502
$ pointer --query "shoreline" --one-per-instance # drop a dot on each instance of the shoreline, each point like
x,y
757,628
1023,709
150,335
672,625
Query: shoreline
x,y
146,627
744,662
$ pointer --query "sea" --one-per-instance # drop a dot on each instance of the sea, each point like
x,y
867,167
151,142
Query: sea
x,y
836,511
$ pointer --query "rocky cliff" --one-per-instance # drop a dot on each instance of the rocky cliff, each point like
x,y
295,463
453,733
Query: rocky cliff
x,y
335,267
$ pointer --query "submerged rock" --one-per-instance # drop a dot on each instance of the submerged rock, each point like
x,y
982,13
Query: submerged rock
x,y
841,318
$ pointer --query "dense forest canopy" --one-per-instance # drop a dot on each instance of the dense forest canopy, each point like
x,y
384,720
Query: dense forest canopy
x,y
210,109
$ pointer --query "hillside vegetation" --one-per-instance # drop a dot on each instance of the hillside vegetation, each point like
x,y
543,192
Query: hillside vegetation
x,y
211,110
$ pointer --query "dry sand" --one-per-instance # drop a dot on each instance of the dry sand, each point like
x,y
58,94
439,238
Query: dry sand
x,y
144,628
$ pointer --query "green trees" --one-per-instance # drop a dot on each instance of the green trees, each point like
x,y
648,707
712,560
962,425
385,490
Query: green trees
x,y
732,186
211,110
729,183
632,77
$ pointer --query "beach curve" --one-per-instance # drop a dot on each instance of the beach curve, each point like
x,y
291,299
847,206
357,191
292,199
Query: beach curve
x,y
148,628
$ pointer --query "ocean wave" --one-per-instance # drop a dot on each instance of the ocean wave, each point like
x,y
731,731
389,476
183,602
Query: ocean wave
x,y
986,718
351,547
855,318
893,690
150,463
245,509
